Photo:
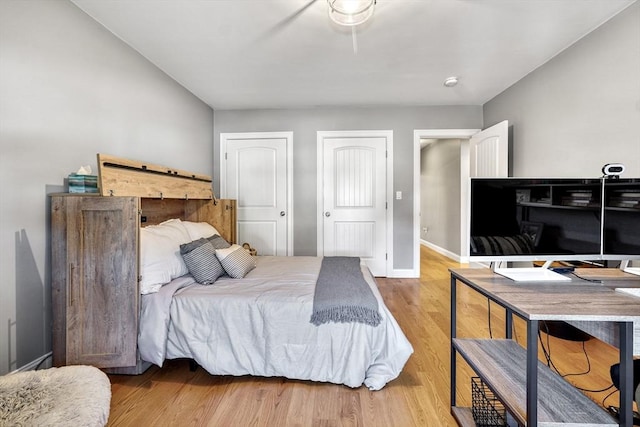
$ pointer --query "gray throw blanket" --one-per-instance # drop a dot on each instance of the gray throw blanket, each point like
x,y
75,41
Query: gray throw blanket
x,y
342,294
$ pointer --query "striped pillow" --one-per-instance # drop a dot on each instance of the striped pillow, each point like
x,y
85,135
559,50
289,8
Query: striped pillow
x,y
501,245
236,261
218,242
202,263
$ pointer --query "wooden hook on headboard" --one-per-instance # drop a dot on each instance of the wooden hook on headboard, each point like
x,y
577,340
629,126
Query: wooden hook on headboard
x,y
135,178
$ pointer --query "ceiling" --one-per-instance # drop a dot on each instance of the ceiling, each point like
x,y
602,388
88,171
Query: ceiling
x,y
245,54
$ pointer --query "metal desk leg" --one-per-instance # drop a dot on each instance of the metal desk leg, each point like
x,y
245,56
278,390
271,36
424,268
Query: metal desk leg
x,y
626,374
453,335
508,323
532,373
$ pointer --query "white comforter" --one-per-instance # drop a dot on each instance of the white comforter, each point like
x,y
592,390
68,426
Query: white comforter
x,y
260,325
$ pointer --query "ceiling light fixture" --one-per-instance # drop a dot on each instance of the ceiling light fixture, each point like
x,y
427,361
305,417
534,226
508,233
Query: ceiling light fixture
x,y
350,12
451,81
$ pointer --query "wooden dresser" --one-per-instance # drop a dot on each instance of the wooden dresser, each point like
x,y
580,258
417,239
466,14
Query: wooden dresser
x,y
95,257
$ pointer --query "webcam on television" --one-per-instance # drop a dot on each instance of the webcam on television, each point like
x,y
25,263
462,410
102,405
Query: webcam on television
x,y
613,170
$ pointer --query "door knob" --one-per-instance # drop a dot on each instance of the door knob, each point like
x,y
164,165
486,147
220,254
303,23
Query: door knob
x,y
327,214
282,213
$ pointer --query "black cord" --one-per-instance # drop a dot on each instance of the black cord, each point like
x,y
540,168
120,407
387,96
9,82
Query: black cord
x,y
585,279
547,355
584,350
489,311
598,391
607,396
550,364
513,325
549,347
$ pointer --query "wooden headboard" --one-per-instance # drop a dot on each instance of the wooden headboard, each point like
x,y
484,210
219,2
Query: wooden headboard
x,y
123,177
167,193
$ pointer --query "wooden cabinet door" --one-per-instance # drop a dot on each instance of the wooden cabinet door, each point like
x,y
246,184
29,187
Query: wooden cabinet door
x,y
226,220
102,281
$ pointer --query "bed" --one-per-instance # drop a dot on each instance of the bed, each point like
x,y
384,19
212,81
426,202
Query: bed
x,y
260,325
204,298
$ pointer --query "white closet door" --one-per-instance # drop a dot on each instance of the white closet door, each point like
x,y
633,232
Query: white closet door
x,y
255,174
354,199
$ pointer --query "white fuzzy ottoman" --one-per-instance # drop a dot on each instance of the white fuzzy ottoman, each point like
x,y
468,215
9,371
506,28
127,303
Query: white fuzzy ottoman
x,y
67,396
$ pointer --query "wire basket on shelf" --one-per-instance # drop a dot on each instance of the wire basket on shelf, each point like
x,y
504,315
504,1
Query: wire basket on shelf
x,y
486,409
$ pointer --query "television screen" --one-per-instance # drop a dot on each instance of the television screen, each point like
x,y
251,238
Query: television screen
x,y
621,219
535,219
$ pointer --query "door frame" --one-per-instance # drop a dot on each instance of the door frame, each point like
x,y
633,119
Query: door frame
x,y
465,135
288,137
388,135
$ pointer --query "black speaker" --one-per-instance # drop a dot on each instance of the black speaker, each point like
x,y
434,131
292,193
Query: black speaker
x,y
563,330
614,371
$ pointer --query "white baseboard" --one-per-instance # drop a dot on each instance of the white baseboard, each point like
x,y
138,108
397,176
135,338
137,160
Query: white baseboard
x,y
444,252
34,364
403,274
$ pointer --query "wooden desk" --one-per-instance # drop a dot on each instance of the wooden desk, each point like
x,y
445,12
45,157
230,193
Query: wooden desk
x,y
606,331
515,375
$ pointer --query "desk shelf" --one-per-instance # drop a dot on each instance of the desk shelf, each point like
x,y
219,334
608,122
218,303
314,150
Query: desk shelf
x,y
463,416
530,391
501,363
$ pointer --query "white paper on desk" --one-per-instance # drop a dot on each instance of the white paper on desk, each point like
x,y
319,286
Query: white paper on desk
x,y
630,291
632,270
532,275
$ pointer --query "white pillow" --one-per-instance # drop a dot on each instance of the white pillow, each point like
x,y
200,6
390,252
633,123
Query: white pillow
x,y
160,259
236,261
199,230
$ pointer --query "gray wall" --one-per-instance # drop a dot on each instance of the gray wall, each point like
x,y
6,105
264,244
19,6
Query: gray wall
x,y
440,204
68,90
305,123
581,110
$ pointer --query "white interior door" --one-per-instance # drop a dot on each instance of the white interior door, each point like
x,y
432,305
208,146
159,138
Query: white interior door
x,y
482,153
488,158
353,199
489,152
255,172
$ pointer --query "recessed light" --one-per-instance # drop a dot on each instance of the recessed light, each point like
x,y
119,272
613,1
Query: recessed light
x,y
451,81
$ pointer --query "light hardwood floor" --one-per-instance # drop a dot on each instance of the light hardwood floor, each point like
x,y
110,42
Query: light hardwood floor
x,y
175,396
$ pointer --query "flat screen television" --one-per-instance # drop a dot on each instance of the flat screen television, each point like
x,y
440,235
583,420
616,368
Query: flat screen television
x,y
621,226
526,219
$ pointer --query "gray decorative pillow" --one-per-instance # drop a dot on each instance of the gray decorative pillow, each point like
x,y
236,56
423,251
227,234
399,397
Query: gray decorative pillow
x,y
202,263
218,242
236,261
188,247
